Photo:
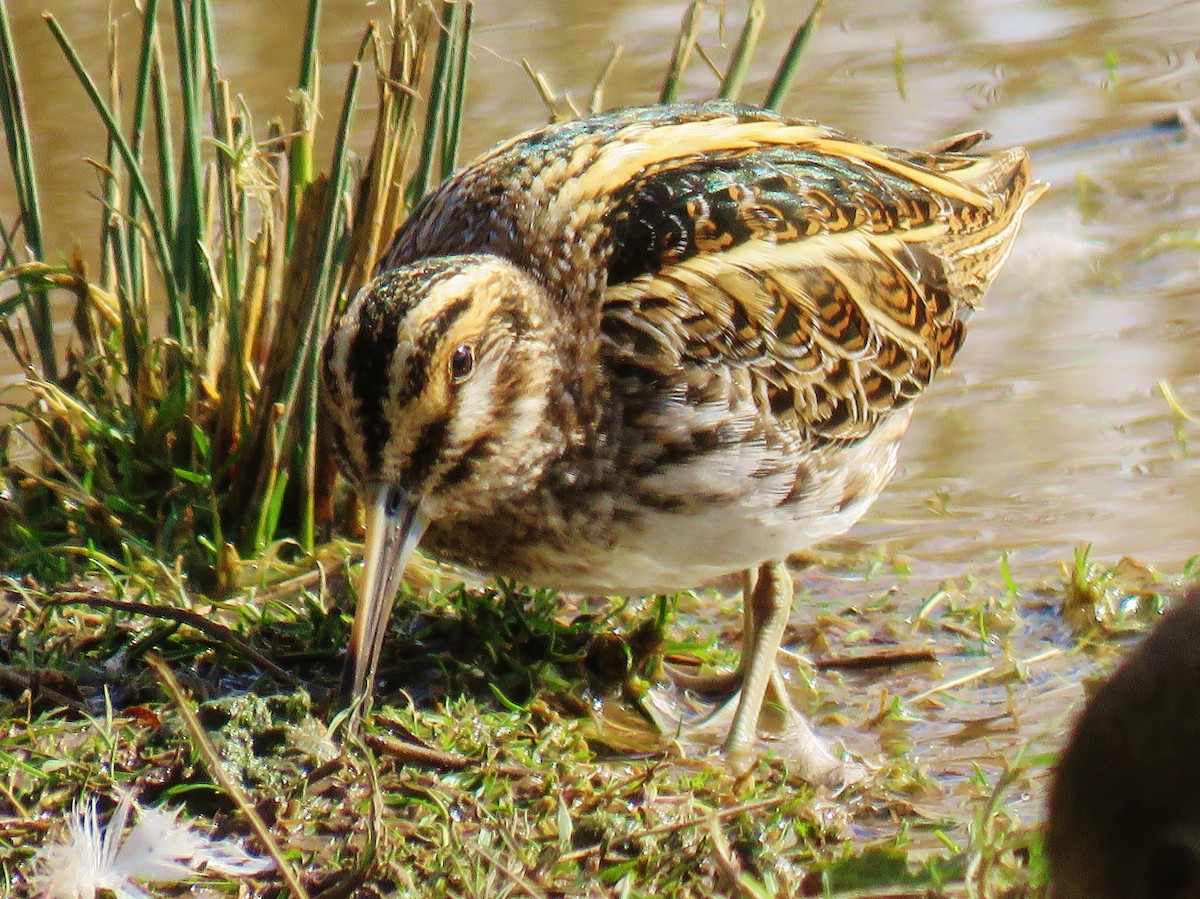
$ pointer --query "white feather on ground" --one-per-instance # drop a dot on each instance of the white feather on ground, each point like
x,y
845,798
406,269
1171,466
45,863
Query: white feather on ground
x,y
159,849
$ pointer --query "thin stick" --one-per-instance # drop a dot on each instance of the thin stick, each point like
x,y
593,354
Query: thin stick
x,y
19,680
206,626
886,658
417,754
981,673
202,743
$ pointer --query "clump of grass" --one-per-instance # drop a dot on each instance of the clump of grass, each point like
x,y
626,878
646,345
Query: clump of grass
x,y
201,443
1109,599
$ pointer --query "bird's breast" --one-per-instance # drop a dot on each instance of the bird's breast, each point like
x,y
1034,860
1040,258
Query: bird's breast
x,y
681,522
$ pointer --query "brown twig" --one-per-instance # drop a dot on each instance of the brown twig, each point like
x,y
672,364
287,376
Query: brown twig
x,y
419,754
882,658
209,628
984,672
22,680
704,821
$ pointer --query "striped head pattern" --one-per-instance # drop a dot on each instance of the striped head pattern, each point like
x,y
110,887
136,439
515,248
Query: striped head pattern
x,y
434,374
437,379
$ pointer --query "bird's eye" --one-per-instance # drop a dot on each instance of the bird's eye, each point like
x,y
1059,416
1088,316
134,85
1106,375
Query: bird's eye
x,y
462,361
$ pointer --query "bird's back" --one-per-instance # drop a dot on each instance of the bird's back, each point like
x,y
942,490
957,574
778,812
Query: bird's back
x,y
753,302
721,234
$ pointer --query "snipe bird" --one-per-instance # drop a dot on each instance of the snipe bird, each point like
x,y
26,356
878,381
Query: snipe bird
x,y
631,353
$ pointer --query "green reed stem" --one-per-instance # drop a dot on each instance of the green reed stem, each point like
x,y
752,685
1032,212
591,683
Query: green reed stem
x,y
137,181
303,373
164,140
743,53
322,301
685,43
233,206
20,155
455,96
141,102
418,186
189,228
16,130
116,273
790,64
300,148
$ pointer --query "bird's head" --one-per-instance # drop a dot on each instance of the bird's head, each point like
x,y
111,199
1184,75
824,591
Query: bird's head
x,y
437,378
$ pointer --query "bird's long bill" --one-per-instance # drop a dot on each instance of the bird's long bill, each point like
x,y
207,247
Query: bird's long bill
x,y
394,527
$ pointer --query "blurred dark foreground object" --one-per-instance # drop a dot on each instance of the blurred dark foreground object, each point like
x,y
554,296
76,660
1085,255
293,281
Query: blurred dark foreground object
x,y
1125,805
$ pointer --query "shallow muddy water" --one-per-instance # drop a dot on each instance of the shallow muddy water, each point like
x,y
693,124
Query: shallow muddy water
x,y
1051,430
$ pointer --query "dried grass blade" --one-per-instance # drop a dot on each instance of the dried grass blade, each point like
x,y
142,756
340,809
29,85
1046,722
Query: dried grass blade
x,y
217,769
379,210
596,101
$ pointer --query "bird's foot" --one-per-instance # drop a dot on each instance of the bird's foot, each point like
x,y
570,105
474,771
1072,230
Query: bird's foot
x,y
743,695
699,727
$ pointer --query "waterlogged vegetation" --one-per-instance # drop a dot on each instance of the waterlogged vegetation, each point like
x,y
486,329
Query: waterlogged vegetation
x,y
179,564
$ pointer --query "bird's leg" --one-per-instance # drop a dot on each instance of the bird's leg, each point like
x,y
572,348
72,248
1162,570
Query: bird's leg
x,y
741,693
725,684
770,603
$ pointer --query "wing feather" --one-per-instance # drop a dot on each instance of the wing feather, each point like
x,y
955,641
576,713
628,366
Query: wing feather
x,y
715,241
839,282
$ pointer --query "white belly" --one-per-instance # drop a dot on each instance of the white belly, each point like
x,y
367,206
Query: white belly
x,y
665,550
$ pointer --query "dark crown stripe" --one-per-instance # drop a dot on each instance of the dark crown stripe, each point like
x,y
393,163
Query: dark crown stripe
x,y
425,454
370,359
373,348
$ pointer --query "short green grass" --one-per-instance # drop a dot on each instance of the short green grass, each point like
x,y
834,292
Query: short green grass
x,y
499,759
